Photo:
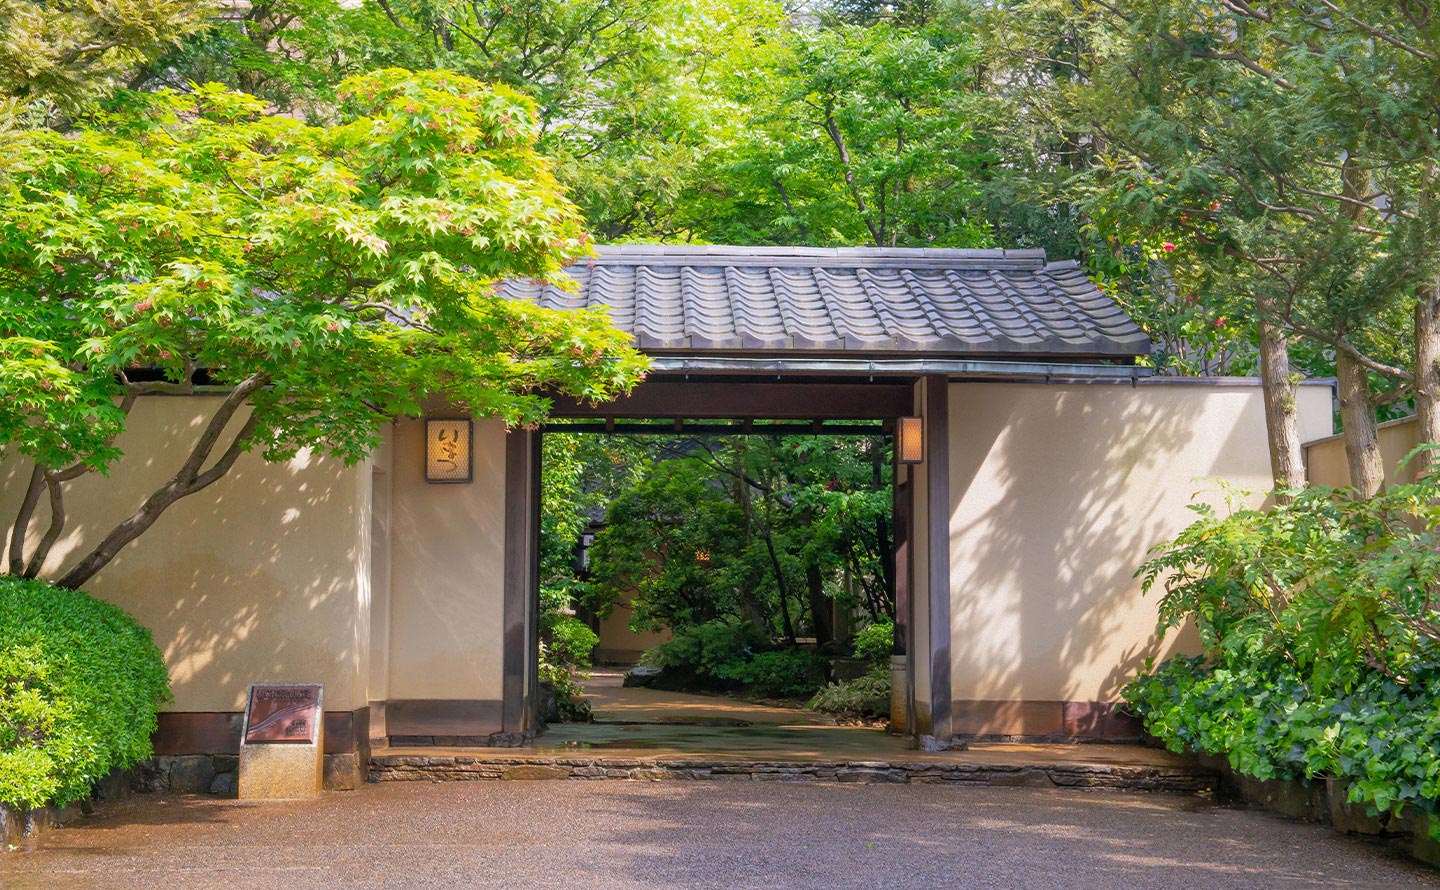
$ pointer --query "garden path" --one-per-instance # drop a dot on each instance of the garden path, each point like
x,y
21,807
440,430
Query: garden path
x,y
612,702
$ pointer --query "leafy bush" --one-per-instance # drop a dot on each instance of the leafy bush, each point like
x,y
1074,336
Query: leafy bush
x,y
80,685
1321,626
784,673
876,642
712,655
572,642
725,654
866,697
570,705
565,650
1269,723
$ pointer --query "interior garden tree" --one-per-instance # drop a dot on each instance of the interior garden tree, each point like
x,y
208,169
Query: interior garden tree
x,y
323,278
1288,147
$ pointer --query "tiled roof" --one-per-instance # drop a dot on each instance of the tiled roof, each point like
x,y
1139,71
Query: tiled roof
x,y
764,300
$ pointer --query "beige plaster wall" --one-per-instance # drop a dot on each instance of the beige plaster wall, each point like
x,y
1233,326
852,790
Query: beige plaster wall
x,y
262,576
447,570
618,643
1325,462
1057,491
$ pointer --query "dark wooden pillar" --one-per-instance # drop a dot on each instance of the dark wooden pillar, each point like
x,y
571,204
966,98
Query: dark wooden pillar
x,y
937,495
902,520
522,579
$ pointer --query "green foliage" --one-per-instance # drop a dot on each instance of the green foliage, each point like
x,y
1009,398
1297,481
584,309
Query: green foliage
x,y
714,655
758,529
1321,625
335,276
68,52
855,134
80,685
571,641
672,119
568,692
876,642
864,698
728,654
1215,116
783,673
359,286
1270,722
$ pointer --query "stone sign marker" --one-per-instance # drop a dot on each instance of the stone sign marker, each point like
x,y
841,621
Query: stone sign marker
x,y
282,743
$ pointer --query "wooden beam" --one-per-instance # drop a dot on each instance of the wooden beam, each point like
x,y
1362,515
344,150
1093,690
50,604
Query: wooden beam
x,y
736,401
522,536
937,494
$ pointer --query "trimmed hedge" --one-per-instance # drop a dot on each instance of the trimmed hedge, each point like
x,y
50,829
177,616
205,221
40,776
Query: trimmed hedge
x,y
81,683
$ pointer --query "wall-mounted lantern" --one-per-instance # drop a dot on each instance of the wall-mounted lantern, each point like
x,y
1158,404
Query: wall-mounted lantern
x,y
448,455
910,440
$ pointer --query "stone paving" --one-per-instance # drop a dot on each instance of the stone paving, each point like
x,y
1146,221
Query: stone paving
x,y
626,835
794,754
650,734
612,702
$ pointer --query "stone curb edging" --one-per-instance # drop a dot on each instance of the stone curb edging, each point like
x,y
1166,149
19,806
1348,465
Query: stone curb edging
x,y
419,768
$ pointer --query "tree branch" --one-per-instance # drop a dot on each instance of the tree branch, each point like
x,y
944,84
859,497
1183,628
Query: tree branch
x,y
186,481
22,520
1378,34
52,534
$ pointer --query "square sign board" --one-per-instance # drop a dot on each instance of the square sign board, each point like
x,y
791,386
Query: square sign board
x,y
283,713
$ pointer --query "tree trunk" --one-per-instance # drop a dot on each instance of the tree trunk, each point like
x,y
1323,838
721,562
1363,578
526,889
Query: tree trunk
x,y
821,613
1357,421
1282,425
1427,370
22,520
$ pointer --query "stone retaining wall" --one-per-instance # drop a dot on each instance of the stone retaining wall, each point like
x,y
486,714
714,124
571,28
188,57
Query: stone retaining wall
x,y
16,825
218,773
1326,802
392,768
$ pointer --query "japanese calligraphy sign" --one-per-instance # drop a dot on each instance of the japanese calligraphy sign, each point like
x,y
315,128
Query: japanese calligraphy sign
x,y
447,450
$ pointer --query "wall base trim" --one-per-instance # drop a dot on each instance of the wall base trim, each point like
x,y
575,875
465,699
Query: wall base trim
x,y
218,732
1044,720
443,717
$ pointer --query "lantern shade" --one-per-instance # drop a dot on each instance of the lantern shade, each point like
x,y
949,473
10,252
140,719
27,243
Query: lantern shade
x,y
448,455
910,440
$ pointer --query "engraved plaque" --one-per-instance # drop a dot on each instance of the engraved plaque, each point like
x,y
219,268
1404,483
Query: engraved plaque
x,y
283,713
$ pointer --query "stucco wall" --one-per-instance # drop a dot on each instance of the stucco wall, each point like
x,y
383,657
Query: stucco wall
x,y
1057,491
262,576
1325,461
618,643
447,567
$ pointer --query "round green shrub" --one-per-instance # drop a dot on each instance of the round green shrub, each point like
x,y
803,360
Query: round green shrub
x,y
876,642
783,673
80,685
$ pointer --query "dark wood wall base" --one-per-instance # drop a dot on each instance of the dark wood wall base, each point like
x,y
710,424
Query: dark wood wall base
x,y
218,732
1052,720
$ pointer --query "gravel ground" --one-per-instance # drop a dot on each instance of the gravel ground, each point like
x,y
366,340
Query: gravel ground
x,y
699,835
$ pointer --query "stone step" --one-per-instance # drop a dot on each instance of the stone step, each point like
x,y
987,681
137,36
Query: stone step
x,y
435,768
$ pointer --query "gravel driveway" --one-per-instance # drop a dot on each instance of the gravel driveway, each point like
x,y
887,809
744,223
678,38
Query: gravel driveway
x,y
699,835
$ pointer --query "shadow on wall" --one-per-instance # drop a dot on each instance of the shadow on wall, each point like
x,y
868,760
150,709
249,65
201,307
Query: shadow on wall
x,y
1059,494
256,578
